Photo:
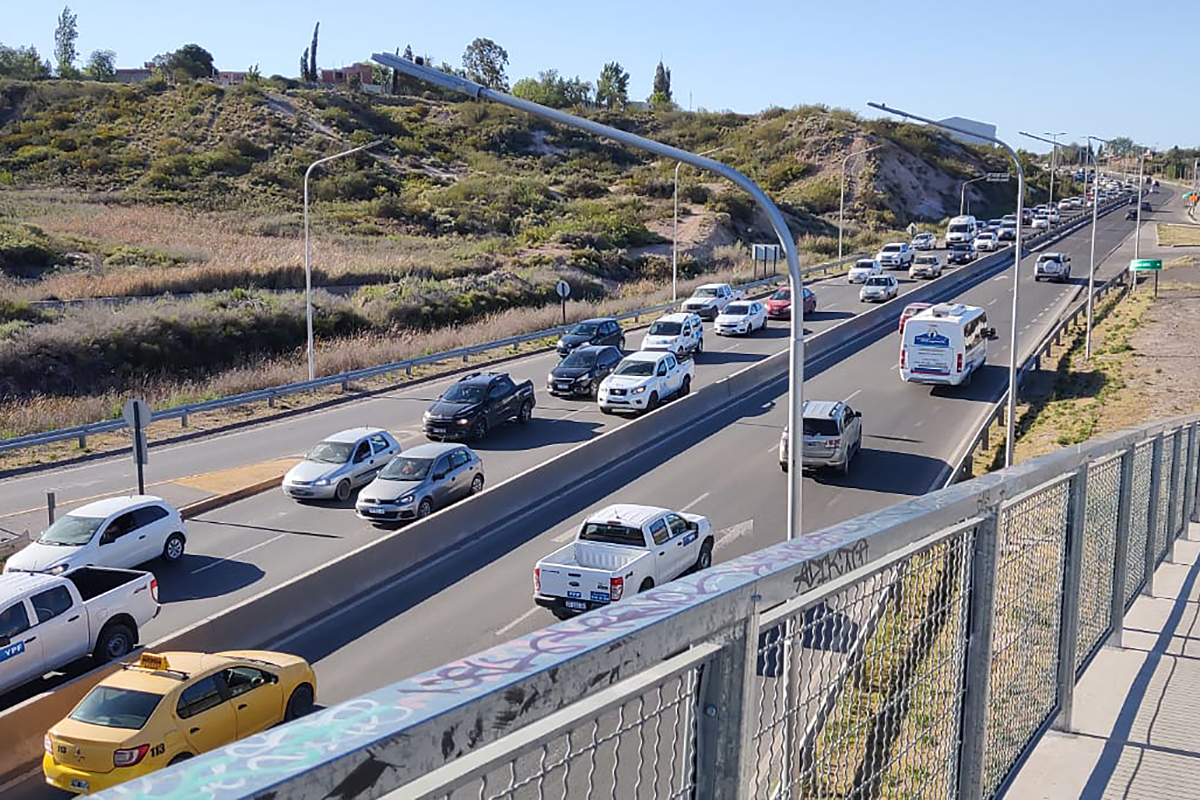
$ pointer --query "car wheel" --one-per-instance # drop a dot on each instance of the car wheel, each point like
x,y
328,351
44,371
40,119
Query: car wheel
x,y
704,560
652,403
699,346
115,641
300,703
480,430
621,344
686,387
526,412
424,508
477,483
342,492
646,586
594,391
179,759
173,548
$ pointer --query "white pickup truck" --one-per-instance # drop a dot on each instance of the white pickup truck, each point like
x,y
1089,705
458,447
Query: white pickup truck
x,y
710,300
643,380
618,550
48,621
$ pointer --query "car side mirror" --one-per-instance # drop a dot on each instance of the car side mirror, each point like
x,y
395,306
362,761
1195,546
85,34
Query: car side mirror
x,y
439,476
5,641
107,538
858,415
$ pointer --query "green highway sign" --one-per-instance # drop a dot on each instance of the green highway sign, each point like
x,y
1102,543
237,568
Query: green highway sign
x,y
1145,264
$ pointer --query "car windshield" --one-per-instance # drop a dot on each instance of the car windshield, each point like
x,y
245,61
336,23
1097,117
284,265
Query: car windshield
x,y
612,533
403,468
960,228
113,707
636,368
580,358
820,426
737,309
782,294
864,265
891,248
705,292
665,328
877,281
331,452
926,259
584,329
465,393
71,530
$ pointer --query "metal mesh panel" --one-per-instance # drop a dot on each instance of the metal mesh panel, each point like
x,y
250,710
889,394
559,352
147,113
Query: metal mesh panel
x,y
1135,562
1179,486
1165,461
1028,610
876,684
643,747
1190,458
1099,544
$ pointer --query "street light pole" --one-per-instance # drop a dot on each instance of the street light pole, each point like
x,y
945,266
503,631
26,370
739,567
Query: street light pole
x,y
842,201
1087,336
1053,156
675,229
1010,428
962,197
1137,234
476,91
308,250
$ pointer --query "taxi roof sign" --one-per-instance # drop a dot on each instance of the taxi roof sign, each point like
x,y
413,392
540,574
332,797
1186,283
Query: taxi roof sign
x,y
153,661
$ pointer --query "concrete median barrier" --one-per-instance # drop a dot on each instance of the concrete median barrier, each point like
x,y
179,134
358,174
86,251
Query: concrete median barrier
x,y
275,612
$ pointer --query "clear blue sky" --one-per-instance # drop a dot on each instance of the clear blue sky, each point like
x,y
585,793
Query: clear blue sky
x,y
931,57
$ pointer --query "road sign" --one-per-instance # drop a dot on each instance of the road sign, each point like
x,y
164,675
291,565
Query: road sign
x,y
912,229
137,416
766,252
997,177
563,289
1145,264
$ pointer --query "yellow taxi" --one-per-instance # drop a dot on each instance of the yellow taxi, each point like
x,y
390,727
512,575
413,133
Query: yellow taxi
x,y
167,707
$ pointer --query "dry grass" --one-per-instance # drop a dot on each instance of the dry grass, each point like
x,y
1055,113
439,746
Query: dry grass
x,y
1178,235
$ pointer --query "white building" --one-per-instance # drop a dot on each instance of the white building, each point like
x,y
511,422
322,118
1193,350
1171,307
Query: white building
x,y
981,129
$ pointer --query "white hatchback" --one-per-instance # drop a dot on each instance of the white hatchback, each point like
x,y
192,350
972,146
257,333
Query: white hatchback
x,y
117,532
744,316
863,268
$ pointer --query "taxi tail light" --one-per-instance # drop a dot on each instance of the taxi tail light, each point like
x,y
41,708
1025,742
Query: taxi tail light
x,y
537,580
616,588
130,756
903,350
833,444
959,363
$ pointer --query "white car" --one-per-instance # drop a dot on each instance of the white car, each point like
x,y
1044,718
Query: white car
x,y
116,532
710,299
1041,221
1052,213
988,240
924,241
741,317
1052,266
879,288
679,333
643,380
863,268
895,255
340,463
925,267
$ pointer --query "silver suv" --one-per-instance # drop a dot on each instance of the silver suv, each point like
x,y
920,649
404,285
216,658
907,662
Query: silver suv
x,y
832,436
418,481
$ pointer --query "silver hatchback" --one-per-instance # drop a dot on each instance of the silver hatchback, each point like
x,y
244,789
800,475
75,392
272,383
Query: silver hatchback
x,y
419,481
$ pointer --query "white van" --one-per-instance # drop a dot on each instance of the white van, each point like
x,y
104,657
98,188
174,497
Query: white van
x,y
961,229
944,344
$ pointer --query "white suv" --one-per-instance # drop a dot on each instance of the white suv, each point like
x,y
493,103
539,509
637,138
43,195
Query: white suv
x,y
895,255
643,380
681,334
117,532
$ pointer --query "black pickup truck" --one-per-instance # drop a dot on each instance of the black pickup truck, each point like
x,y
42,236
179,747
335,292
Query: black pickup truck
x,y
476,404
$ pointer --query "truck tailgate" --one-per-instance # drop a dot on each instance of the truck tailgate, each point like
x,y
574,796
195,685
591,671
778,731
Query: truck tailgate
x,y
582,570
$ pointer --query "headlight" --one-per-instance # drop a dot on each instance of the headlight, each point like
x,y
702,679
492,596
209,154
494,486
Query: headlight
x,y
321,482
463,421
405,500
58,569
550,377
583,379
639,390
427,416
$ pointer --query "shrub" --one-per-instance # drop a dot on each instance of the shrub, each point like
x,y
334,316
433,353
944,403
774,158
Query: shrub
x,y
737,206
694,193
821,195
576,188
26,251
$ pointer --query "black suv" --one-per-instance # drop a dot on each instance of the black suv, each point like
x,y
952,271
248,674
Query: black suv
x,y
477,403
581,372
961,253
604,330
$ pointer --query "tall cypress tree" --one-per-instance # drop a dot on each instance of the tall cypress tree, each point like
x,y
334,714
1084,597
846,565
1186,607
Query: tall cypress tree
x,y
312,55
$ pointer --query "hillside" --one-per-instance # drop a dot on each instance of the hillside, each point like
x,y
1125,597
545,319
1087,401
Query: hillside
x,y
461,211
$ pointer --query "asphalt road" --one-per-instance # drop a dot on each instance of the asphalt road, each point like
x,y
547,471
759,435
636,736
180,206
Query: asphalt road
x,y
726,469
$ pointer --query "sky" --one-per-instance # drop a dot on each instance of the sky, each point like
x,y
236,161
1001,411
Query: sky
x,y
1107,68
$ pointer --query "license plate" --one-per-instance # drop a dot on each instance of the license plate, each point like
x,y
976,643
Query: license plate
x,y
376,510
437,429
81,785
576,605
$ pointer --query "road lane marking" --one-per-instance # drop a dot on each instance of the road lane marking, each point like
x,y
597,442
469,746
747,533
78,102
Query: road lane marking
x,y
1002,277
565,536
993,301
694,502
232,556
730,535
517,621
853,395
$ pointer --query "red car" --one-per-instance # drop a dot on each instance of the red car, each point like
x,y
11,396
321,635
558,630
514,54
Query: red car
x,y
779,305
911,310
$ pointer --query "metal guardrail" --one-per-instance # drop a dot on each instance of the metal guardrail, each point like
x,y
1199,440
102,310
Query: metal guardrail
x,y
992,593
271,394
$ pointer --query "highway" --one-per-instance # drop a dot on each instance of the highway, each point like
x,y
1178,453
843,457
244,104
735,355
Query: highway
x,y
726,469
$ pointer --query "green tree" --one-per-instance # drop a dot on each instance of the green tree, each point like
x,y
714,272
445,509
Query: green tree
x,y
65,35
485,62
550,89
304,76
612,89
253,74
312,56
22,64
191,61
662,83
1121,146
101,65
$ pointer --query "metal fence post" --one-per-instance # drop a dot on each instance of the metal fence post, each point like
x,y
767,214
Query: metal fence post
x,y
1068,629
1174,490
977,670
726,714
1152,513
1116,612
1193,458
